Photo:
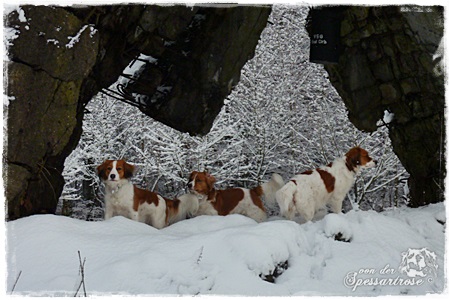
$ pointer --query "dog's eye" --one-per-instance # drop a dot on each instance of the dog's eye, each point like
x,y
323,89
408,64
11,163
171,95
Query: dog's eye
x,y
119,169
109,168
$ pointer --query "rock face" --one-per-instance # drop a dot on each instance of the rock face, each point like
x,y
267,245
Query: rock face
x,y
387,64
63,56
45,78
200,67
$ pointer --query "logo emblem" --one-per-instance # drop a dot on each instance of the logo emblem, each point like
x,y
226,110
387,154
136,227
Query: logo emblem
x,y
419,263
416,267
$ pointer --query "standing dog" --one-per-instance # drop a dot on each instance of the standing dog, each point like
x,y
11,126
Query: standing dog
x,y
312,190
234,200
122,198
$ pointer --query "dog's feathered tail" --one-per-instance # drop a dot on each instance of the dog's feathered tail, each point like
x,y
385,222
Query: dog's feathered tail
x,y
187,205
284,198
269,188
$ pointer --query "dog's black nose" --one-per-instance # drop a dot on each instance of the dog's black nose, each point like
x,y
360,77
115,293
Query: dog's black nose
x,y
112,176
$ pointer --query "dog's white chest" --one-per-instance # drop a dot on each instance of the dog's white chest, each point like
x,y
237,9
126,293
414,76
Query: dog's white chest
x,y
121,196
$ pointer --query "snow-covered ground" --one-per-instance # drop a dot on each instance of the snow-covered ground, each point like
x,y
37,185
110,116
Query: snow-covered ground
x,y
226,255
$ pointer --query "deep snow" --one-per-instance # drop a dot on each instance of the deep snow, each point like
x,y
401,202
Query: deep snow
x,y
224,255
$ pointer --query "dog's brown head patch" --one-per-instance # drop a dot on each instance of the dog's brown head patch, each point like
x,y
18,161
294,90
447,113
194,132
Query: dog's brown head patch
x,y
201,182
123,169
356,157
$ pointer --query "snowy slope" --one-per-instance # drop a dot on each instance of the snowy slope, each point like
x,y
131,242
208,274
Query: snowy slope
x,y
224,255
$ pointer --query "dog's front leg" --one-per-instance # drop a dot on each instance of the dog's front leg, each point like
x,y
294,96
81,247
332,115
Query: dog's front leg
x,y
336,205
109,211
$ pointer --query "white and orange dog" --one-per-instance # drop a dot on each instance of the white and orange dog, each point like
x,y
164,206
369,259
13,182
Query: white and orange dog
x,y
312,190
122,198
242,201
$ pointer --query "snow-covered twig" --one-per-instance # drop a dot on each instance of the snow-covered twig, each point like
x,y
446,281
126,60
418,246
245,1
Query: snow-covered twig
x,y
82,283
200,256
15,283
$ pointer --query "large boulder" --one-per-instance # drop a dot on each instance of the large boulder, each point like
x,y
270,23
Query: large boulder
x,y
200,65
387,64
51,56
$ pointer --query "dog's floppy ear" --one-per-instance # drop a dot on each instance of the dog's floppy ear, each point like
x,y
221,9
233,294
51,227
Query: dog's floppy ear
x,y
211,180
356,159
193,173
353,158
102,168
128,170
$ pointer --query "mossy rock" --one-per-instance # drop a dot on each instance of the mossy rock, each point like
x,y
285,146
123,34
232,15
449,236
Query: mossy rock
x,y
54,40
43,114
